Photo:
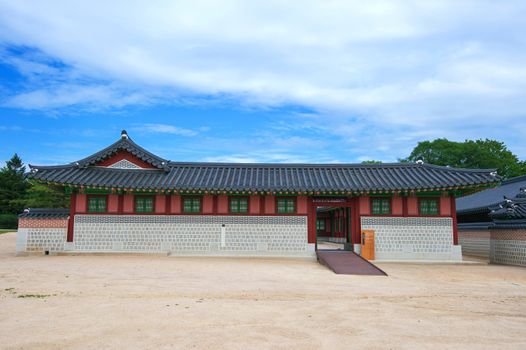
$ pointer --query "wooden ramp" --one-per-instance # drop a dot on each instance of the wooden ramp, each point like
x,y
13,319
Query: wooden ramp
x,y
347,263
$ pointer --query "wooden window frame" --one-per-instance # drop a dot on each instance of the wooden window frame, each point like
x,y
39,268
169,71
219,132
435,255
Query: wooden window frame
x,y
98,196
318,228
382,198
230,198
286,198
435,199
139,196
200,198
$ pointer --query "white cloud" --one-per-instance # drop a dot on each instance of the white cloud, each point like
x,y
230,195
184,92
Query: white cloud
x,y
382,74
165,129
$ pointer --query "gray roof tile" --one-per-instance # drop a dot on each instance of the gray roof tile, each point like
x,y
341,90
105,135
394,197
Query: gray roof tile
x,y
266,177
258,177
480,201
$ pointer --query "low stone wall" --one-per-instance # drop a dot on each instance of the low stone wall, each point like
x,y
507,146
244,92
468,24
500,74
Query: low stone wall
x,y
41,235
508,246
192,234
413,238
475,242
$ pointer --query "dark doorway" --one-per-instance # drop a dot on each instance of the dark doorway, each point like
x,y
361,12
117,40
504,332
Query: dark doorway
x,y
333,228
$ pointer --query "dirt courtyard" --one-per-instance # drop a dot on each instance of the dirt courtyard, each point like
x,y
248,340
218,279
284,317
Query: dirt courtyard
x,y
155,302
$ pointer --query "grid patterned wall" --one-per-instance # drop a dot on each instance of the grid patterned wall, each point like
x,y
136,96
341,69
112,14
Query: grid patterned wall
x,y
474,242
192,234
421,238
508,247
41,239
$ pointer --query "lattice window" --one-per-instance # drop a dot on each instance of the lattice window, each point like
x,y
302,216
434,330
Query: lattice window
x,y
238,205
429,207
143,204
286,205
124,164
192,205
97,204
381,206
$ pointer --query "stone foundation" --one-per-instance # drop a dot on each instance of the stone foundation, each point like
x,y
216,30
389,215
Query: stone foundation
x,y
508,246
475,242
413,238
192,234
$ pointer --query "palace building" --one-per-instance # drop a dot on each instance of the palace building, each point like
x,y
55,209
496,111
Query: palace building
x,y
126,199
492,223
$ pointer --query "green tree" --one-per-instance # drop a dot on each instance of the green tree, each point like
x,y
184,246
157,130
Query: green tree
x,y
45,196
480,154
13,186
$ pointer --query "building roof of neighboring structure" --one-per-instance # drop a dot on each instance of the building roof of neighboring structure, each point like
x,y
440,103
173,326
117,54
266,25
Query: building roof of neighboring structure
x,y
252,177
481,201
510,208
510,213
45,213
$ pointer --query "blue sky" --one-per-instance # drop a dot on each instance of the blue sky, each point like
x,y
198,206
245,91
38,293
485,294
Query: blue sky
x,y
312,81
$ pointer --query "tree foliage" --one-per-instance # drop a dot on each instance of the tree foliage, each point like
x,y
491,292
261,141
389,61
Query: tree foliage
x,y
479,154
45,196
17,193
13,186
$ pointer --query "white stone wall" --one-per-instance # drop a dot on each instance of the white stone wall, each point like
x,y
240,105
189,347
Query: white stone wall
x,y
192,234
508,252
413,238
40,239
508,247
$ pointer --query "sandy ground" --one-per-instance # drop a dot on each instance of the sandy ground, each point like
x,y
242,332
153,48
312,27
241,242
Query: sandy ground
x,y
147,302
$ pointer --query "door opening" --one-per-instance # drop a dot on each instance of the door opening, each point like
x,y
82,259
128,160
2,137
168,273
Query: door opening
x,y
333,228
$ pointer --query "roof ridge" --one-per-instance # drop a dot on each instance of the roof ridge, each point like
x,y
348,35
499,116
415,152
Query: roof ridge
x,y
328,165
124,143
514,179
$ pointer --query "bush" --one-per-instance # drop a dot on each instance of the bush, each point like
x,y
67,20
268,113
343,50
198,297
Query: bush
x,y
8,221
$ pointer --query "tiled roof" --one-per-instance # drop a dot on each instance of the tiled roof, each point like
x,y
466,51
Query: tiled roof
x,y
124,144
259,177
510,208
45,213
270,177
481,201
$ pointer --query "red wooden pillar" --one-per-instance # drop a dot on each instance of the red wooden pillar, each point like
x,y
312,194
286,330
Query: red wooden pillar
x,y
121,204
262,204
72,209
454,216
356,226
168,204
214,199
311,221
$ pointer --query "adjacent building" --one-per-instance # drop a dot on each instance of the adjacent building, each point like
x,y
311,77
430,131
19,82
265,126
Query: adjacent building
x,y
492,223
126,199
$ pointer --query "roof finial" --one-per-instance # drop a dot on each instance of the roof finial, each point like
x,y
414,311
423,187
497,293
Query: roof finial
x,y
124,134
